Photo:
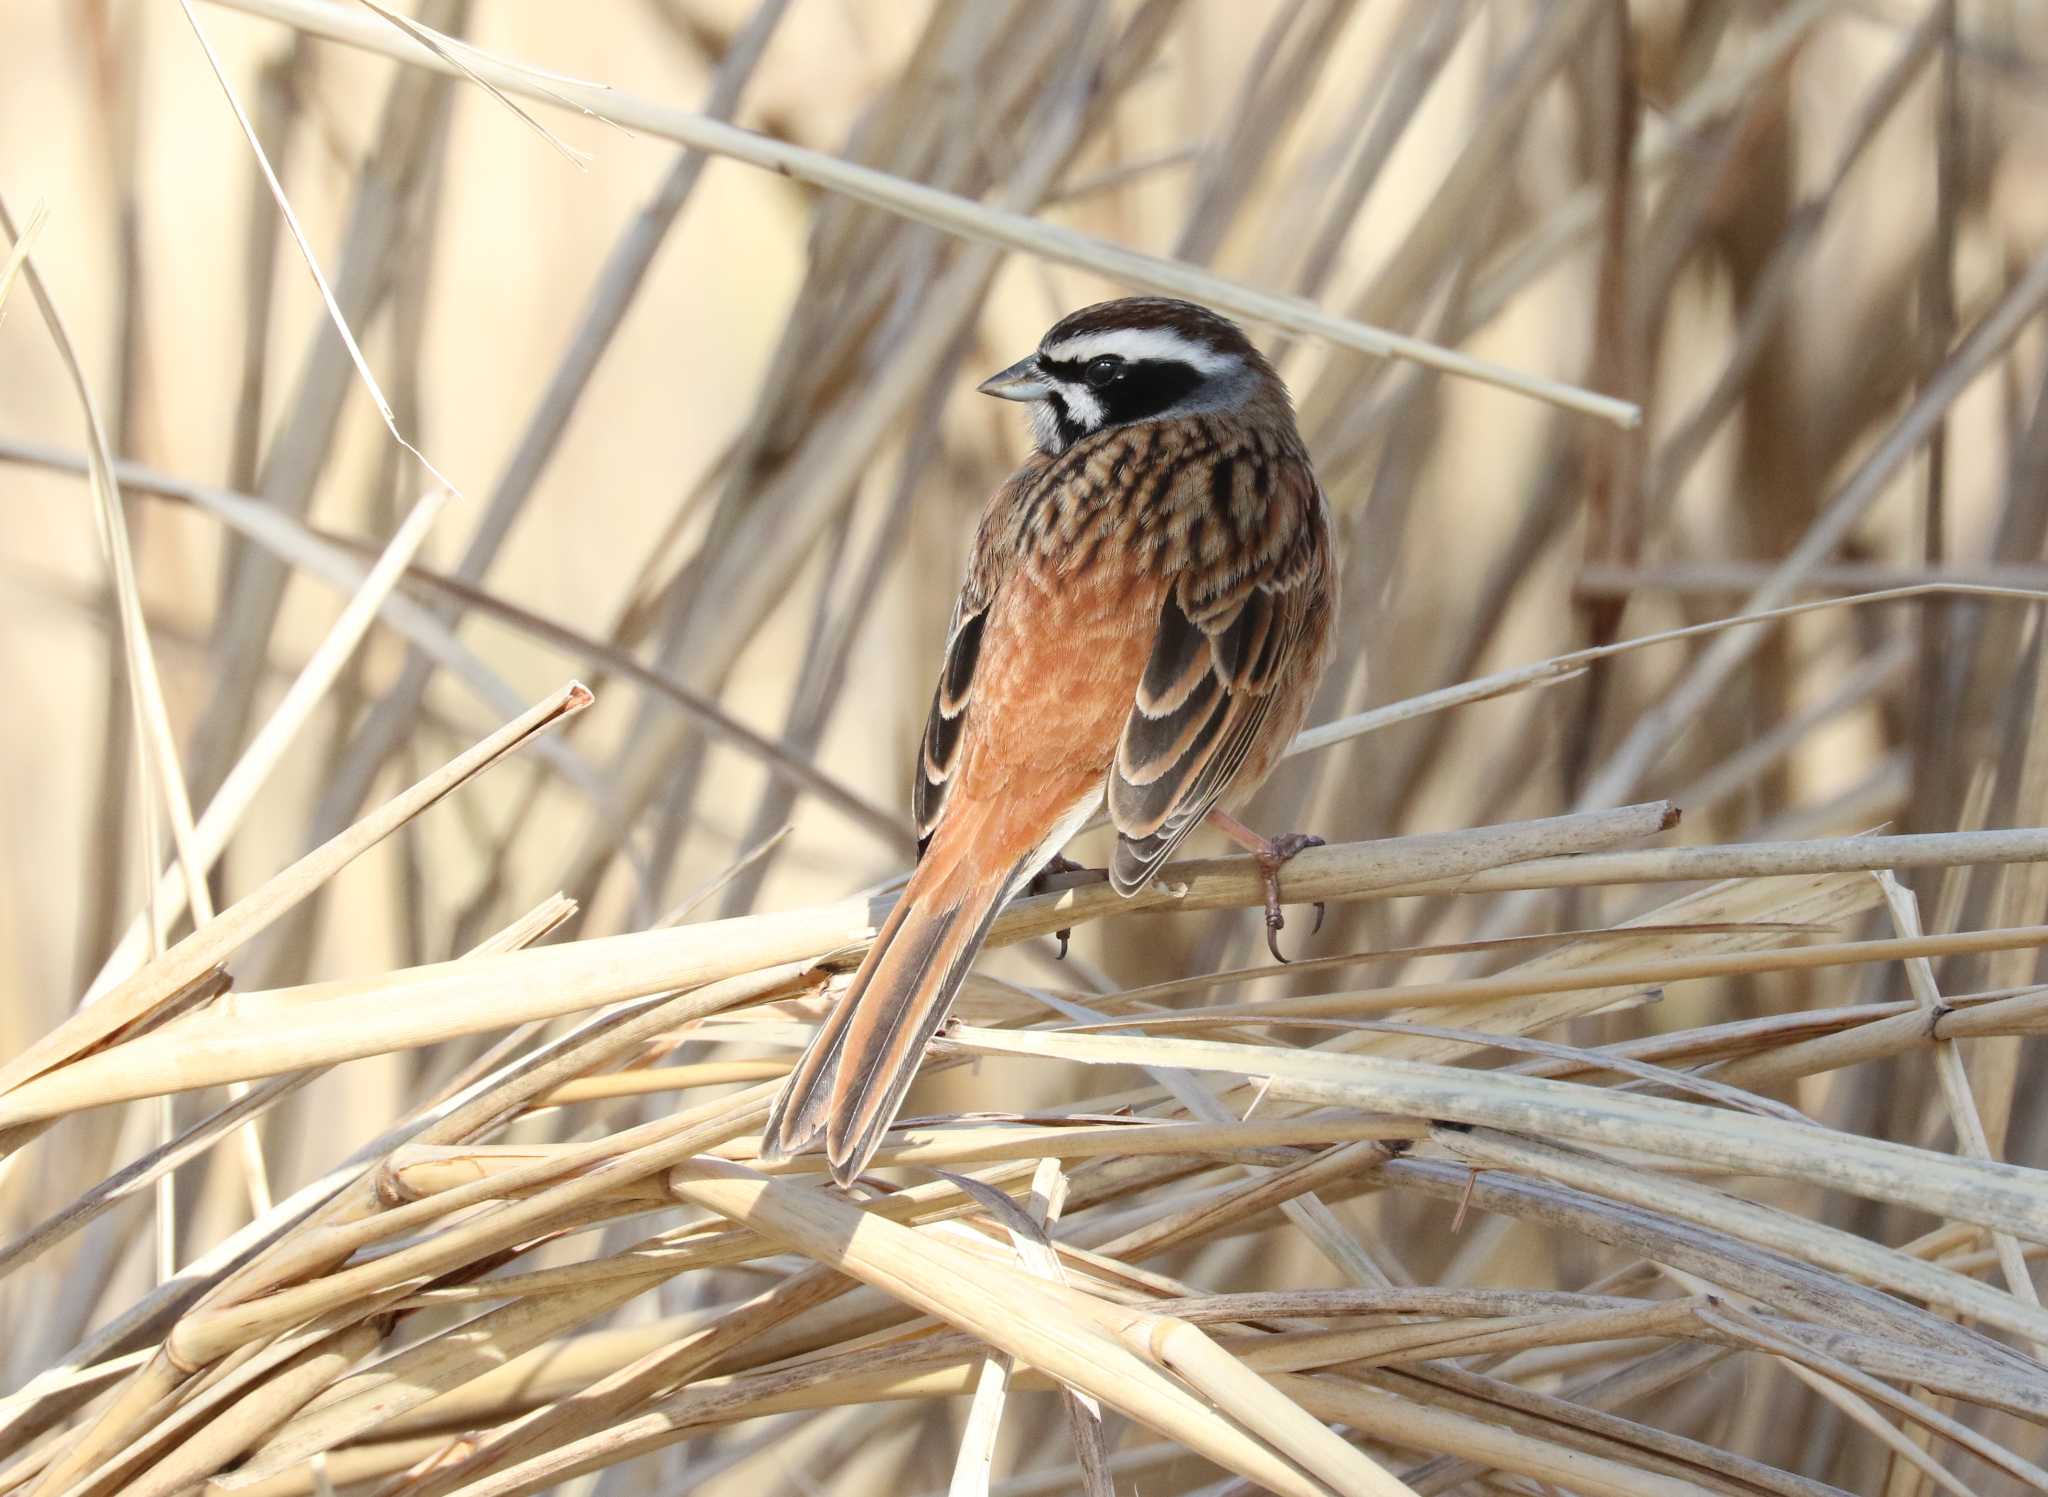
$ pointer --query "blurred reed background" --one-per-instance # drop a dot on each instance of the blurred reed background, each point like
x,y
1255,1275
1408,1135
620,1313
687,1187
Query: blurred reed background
x,y
719,457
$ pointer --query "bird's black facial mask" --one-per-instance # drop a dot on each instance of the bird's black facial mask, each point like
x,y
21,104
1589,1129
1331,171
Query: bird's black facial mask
x,y
1111,391
1093,379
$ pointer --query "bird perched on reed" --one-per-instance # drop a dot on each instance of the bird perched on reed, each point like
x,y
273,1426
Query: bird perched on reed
x,y
1147,613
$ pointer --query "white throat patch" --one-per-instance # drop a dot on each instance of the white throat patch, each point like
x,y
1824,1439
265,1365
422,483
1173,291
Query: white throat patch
x,y
1045,427
1083,409
1136,344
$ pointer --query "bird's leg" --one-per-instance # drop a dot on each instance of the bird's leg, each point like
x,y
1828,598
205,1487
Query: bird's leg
x,y
1271,853
1042,883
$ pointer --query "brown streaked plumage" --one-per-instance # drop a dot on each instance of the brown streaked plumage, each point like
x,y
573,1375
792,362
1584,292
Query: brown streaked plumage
x,y
1147,613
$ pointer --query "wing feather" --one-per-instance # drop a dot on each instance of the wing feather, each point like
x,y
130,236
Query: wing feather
x,y
1145,842
943,728
1180,662
1222,648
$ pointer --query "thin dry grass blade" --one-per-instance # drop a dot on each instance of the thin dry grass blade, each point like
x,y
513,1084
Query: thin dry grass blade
x,y
18,256
162,773
943,210
291,220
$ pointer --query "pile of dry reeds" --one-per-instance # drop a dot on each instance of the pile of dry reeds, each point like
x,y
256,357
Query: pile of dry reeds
x,y
1677,373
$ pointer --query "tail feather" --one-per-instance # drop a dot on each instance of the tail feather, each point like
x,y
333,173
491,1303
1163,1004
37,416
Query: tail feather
x,y
906,1001
796,1121
854,1075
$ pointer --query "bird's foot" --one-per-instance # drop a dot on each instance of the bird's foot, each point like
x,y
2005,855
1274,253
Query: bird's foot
x,y
1042,883
1270,860
1271,854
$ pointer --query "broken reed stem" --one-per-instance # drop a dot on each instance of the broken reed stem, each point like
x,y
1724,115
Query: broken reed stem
x,y
211,944
238,790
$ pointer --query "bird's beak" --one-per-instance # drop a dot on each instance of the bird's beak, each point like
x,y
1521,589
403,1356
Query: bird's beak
x,y
1021,381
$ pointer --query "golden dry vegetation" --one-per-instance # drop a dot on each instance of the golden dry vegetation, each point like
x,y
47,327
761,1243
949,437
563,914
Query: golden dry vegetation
x,y
386,1026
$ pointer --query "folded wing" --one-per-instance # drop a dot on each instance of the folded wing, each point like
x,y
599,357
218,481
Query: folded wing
x,y
1226,650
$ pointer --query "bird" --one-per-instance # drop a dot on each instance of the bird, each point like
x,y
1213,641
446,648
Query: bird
x,y
1149,607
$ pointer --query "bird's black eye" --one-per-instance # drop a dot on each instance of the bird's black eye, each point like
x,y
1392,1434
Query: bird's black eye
x,y
1103,369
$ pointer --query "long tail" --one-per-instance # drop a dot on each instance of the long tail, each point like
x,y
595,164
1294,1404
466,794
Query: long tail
x,y
852,1080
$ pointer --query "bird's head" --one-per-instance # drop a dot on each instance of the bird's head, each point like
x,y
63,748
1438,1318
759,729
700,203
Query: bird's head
x,y
1144,358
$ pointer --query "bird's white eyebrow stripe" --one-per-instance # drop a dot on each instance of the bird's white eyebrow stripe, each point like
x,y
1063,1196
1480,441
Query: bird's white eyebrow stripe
x,y
1141,343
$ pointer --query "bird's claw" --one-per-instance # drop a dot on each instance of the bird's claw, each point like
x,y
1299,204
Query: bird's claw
x,y
1059,864
1275,922
1270,863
